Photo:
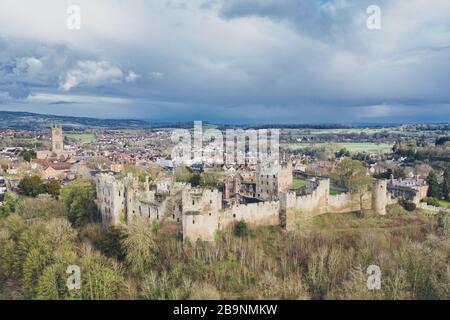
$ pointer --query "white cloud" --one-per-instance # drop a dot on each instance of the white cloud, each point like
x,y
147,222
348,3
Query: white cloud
x,y
90,73
70,98
132,76
27,65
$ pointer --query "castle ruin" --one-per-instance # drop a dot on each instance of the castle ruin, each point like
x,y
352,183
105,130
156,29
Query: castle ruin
x,y
199,213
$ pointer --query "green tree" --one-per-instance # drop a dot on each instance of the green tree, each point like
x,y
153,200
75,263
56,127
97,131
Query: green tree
x,y
43,208
240,229
79,198
134,171
101,278
342,153
31,186
408,205
431,201
446,184
53,188
140,246
52,283
195,180
183,174
434,189
9,205
212,179
28,155
352,175
110,243
41,244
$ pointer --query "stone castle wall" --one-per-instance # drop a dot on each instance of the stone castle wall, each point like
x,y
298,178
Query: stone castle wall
x,y
346,203
120,200
311,204
201,201
295,208
260,214
200,213
204,226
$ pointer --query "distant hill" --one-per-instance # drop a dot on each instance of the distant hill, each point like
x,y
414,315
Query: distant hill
x,y
34,121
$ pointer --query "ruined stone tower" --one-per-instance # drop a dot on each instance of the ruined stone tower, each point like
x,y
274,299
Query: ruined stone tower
x,y
57,140
271,179
379,196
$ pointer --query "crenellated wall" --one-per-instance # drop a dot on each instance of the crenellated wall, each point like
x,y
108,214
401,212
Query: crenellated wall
x,y
311,204
204,226
347,202
262,213
200,212
294,208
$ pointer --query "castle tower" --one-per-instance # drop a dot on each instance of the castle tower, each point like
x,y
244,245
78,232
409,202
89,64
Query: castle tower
x,y
57,139
379,196
272,179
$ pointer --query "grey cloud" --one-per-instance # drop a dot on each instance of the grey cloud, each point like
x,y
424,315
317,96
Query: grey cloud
x,y
242,59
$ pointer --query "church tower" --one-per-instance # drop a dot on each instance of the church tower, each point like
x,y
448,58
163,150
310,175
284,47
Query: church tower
x,y
57,139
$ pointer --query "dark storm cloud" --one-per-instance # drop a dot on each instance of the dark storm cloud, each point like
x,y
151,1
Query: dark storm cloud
x,y
229,60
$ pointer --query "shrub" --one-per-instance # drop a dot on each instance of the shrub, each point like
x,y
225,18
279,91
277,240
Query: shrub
x,y
111,243
80,200
240,229
8,206
31,186
28,155
53,188
408,205
431,201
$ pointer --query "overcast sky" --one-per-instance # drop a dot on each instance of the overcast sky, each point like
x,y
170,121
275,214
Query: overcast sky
x,y
236,61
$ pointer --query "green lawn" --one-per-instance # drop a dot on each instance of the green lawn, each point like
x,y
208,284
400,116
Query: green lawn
x,y
297,183
84,137
444,203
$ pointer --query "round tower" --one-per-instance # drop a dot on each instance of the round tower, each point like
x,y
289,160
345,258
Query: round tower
x,y
379,196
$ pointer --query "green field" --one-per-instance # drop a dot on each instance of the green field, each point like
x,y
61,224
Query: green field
x,y
297,183
445,204
335,191
84,137
342,131
353,147
368,131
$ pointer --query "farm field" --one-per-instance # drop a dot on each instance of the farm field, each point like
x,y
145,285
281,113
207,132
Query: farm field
x,y
85,137
353,147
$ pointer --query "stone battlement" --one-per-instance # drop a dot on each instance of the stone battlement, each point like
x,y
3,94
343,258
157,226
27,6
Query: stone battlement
x,y
200,213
